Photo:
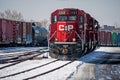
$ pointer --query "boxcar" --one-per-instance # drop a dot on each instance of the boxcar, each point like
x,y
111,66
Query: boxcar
x,y
108,38
114,38
28,33
18,33
102,38
15,32
6,31
0,31
118,39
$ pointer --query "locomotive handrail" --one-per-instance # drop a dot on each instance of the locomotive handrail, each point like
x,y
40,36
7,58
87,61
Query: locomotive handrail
x,y
78,36
52,35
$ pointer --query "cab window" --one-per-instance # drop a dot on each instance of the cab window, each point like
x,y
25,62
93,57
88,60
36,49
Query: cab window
x,y
71,18
96,25
81,19
90,21
54,19
62,18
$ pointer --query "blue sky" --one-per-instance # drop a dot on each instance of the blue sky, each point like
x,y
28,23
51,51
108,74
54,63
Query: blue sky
x,y
105,11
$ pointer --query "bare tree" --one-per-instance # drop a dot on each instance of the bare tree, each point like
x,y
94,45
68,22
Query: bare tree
x,y
44,23
39,24
2,15
13,15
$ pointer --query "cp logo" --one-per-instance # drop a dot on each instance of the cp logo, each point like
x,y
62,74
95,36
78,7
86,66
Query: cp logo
x,y
65,28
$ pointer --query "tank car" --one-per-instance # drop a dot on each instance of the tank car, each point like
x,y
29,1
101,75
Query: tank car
x,y
72,33
39,35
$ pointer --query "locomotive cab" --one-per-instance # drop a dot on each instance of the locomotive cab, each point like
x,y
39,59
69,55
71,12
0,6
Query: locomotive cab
x,y
68,33
63,33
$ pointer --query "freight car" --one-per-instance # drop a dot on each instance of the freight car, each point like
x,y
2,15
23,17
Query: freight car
x,y
15,33
20,33
39,35
72,32
6,32
23,33
109,38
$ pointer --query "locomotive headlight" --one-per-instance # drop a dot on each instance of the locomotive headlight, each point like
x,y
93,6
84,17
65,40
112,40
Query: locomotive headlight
x,y
74,39
56,39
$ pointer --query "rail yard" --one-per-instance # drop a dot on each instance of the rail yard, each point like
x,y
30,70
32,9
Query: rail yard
x,y
72,45
34,63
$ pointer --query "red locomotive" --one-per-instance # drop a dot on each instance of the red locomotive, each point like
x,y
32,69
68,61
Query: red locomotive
x,y
72,32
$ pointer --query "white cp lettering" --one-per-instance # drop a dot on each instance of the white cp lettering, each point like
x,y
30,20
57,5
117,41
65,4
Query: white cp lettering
x,y
65,28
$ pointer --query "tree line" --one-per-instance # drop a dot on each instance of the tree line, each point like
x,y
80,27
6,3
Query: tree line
x,y
15,15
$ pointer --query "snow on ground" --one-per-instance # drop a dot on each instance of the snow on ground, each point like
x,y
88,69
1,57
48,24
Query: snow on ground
x,y
93,70
85,72
22,66
13,50
109,49
61,74
81,69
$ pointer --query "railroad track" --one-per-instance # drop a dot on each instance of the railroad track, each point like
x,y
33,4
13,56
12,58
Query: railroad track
x,y
38,75
110,58
11,50
17,60
100,57
12,59
28,69
40,66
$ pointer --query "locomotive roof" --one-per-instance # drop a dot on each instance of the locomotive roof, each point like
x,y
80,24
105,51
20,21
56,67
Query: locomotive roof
x,y
68,9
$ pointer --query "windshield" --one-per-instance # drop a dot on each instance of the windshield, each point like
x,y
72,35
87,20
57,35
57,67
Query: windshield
x,y
71,18
67,18
62,18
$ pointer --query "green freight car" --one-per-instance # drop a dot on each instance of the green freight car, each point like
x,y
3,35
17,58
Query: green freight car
x,y
118,39
114,39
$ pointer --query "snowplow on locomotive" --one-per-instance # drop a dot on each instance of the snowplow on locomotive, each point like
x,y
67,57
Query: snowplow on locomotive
x,y
72,32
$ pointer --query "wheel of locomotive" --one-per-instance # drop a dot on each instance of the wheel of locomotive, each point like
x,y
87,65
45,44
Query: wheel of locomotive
x,y
90,46
87,47
95,45
79,49
54,52
65,51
